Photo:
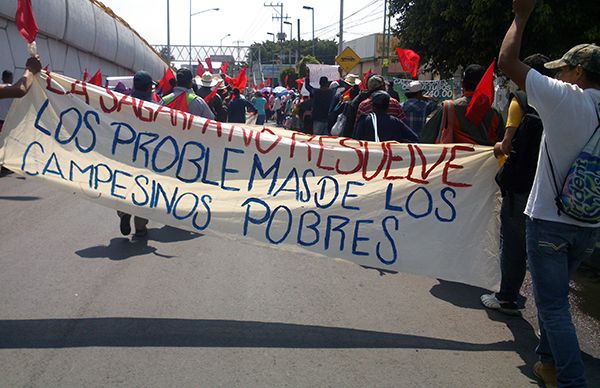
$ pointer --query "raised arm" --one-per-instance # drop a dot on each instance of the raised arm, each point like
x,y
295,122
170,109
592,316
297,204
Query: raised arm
x,y
508,59
21,87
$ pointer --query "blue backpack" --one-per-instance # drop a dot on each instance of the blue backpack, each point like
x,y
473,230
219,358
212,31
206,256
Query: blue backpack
x,y
580,194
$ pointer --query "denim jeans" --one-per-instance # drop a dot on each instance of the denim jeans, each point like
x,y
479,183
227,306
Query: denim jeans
x,y
260,119
513,251
554,251
320,128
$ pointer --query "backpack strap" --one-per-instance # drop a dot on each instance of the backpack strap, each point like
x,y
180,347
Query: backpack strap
x,y
375,129
521,97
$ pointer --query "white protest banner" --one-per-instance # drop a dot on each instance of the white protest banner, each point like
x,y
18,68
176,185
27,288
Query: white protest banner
x,y
332,73
423,209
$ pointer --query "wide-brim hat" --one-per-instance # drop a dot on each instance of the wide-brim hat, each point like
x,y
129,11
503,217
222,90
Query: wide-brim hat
x,y
587,55
207,80
352,79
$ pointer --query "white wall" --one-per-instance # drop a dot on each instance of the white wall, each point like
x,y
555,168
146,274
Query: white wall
x,y
75,35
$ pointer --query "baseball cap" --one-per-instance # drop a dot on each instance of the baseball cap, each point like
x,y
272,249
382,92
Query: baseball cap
x,y
184,76
380,98
414,87
142,80
587,55
375,82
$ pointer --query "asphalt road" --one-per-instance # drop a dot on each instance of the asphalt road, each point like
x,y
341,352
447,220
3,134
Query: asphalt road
x,y
81,305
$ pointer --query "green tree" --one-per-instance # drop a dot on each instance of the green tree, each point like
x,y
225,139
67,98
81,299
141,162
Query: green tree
x,y
285,52
306,60
292,77
450,33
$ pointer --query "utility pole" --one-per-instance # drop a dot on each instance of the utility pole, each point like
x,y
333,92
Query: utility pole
x,y
340,45
298,46
280,17
384,69
237,42
168,35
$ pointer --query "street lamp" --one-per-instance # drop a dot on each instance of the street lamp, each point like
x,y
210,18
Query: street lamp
x,y
193,14
290,24
273,35
221,41
313,27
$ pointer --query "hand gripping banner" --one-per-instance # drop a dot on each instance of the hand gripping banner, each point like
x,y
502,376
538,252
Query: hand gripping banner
x,y
422,209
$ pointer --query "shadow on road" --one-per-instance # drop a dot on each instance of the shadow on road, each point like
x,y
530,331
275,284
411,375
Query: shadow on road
x,y
120,248
525,339
21,198
169,234
143,332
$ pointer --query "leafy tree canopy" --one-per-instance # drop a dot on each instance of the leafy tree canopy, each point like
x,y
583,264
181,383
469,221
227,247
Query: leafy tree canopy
x,y
285,52
450,33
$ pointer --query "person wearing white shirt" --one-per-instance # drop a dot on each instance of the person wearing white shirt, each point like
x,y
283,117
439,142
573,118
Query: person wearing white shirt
x,y
556,244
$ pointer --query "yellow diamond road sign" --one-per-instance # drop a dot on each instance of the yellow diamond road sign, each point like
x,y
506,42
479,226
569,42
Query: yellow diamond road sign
x,y
347,59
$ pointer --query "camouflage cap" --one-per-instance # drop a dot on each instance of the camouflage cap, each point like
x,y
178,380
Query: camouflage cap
x,y
587,55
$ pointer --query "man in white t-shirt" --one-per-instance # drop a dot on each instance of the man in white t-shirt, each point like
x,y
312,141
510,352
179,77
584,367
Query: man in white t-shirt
x,y
556,243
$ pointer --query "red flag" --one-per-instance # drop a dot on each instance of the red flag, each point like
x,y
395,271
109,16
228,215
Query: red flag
x,y
241,80
346,94
224,67
483,97
268,81
209,64
85,74
200,69
285,80
363,85
299,83
179,103
164,86
96,79
409,61
213,92
25,21
261,85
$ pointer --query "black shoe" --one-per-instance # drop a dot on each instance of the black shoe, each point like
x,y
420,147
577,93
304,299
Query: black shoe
x,y
510,308
125,224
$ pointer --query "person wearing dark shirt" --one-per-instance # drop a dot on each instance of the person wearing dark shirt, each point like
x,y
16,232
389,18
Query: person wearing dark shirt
x,y
391,91
142,90
207,83
321,102
385,127
237,108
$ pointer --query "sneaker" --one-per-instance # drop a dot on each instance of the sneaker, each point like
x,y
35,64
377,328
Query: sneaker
x,y
491,302
546,373
125,224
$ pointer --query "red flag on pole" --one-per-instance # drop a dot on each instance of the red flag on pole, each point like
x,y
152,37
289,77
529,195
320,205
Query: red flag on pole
x,y
483,97
164,85
25,21
209,64
268,81
261,85
224,67
241,80
212,93
96,79
200,69
85,74
363,84
409,61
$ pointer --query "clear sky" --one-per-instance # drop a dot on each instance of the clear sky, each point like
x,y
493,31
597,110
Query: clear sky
x,y
247,21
